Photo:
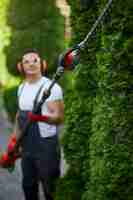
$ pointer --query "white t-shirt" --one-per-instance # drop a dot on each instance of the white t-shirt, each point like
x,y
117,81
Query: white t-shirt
x,y
26,95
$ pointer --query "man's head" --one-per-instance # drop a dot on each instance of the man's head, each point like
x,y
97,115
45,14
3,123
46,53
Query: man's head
x,y
31,64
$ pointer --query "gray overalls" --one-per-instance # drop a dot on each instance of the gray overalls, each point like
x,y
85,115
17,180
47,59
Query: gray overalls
x,y
40,160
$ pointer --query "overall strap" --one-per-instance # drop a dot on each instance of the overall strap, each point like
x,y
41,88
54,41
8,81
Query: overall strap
x,y
18,96
37,96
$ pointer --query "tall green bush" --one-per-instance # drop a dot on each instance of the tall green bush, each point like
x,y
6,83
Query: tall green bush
x,y
98,127
111,146
78,108
4,41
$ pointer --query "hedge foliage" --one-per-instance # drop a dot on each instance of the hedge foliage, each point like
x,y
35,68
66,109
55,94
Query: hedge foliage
x,y
111,146
78,109
98,136
4,41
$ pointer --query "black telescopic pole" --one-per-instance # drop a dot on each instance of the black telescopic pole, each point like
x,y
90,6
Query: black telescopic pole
x,y
46,94
82,44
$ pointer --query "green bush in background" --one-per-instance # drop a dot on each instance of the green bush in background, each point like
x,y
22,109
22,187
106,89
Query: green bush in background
x,y
10,101
4,41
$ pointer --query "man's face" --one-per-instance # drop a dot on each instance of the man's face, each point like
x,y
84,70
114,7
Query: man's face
x,y
31,63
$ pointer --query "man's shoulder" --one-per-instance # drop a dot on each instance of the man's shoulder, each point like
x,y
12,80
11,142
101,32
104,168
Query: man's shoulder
x,y
44,78
48,81
56,91
21,85
20,88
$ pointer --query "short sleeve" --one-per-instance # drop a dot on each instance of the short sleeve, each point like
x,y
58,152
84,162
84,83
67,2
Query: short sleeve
x,y
56,93
20,88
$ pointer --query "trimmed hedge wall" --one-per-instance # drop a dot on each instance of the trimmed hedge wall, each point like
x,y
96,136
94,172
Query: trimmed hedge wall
x,y
78,108
111,144
98,136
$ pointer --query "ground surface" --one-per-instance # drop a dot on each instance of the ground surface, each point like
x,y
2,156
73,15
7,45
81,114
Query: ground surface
x,y
10,183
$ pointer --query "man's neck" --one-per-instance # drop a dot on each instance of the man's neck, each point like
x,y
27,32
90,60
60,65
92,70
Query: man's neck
x,y
33,78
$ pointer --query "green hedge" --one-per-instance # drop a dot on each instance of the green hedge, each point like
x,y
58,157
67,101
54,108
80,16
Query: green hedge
x,y
98,135
111,144
4,40
78,108
10,101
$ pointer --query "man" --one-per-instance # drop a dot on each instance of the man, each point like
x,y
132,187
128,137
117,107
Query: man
x,y
40,147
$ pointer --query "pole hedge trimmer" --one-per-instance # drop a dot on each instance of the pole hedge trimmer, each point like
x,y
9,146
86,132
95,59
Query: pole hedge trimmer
x,y
67,61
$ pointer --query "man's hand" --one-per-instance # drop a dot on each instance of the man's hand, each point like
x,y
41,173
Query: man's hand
x,y
56,112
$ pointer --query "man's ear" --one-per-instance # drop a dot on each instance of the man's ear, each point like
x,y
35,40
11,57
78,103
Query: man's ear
x,y
20,67
45,65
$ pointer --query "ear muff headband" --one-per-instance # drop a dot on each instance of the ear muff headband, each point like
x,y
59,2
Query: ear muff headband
x,y
44,67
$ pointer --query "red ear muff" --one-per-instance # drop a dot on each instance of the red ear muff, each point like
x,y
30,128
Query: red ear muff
x,y
20,68
44,67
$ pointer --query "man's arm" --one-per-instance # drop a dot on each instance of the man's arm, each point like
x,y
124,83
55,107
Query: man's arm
x,y
56,112
16,128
